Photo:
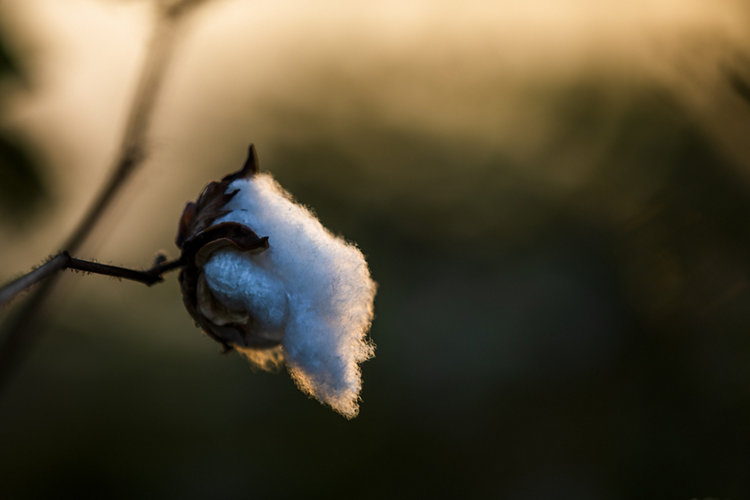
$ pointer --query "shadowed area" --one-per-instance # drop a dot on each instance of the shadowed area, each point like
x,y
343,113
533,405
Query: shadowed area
x,y
21,184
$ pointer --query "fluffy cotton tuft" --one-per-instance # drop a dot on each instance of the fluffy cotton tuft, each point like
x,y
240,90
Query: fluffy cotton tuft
x,y
310,285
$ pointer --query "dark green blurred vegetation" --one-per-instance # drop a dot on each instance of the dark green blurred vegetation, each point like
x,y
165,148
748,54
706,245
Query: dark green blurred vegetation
x,y
21,185
534,341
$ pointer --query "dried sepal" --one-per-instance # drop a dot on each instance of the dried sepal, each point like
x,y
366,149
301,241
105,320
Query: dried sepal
x,y
198,238
198,248
249,168
227,335
200,215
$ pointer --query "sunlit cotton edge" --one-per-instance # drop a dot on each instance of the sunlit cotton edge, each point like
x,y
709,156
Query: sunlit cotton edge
x,y
313,285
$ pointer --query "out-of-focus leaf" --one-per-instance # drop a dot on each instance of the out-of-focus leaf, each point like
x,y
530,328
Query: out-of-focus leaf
x,y
21,185
739,84
8,60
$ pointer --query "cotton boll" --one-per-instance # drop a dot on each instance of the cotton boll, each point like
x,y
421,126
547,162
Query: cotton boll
x,y
310,284
261,275
241,282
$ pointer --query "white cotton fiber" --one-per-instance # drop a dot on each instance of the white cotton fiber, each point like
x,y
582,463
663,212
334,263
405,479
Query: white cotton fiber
x,y
309,283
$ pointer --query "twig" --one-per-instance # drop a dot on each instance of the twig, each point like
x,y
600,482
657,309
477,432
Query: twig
x,y
64,261
23,328
14,288
147,277
133,145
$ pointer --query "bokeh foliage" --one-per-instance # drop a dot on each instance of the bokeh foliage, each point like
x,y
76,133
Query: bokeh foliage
x,y
21,180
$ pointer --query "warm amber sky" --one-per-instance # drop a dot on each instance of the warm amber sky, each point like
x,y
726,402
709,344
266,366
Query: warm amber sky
x,y
476,72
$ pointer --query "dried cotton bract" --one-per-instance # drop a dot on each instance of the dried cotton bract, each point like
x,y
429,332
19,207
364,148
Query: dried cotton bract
x,y
298,295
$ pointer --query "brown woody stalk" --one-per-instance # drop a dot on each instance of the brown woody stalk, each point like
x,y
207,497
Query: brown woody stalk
x,y
21,330
63,261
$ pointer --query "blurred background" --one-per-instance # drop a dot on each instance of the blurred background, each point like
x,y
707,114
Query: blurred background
x,y
553,198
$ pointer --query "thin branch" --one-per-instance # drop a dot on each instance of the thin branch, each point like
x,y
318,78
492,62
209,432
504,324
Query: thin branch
x,y
148,277
64,261
132,151
23,328
16,287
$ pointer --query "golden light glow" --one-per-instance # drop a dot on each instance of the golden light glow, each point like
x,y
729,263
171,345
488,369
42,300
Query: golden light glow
x,y
477,72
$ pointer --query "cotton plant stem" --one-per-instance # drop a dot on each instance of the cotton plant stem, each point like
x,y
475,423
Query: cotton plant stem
x,y
147,277
132,147
132,151
64,261
45,271
22,329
